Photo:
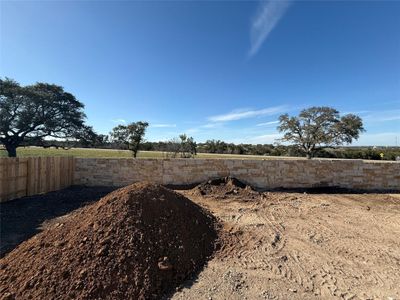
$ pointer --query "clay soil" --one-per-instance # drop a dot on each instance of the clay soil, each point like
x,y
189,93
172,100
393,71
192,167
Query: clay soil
x,y
296,245
138,242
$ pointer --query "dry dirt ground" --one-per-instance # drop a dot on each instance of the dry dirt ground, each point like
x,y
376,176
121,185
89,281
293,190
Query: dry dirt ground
x,y
276,245
282,245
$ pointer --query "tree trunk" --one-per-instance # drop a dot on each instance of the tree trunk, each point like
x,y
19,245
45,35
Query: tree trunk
x,y
309,155
12,150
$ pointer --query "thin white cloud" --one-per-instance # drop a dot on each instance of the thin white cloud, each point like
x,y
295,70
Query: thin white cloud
x,y
163,125
211,125
383,116
359,112
203,128
258,139
119,121
375,117
265,20
245,114
268,123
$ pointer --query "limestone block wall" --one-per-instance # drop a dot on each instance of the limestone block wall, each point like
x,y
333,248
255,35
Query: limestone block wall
x,y
269,173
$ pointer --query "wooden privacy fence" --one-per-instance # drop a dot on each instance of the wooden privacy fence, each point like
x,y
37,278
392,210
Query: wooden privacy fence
x,y
28,176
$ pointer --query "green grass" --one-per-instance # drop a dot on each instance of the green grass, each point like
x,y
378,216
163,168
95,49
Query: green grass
x,y
111,153
78,152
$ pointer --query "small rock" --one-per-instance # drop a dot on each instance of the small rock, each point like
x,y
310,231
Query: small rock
x,y
105,241
164,264
125,279
103,251
59,243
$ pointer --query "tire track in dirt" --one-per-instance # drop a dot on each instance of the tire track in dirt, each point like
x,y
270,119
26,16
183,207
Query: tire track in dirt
x,y
302,246
285,263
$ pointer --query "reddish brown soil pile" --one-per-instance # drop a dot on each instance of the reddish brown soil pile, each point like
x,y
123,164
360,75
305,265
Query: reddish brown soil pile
x,y
226,187
138,242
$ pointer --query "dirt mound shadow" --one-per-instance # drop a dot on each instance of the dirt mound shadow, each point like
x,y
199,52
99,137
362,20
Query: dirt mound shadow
x,y
23,218
138,242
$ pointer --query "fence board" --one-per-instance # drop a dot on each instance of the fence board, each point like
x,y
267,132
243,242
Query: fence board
x,y
21,177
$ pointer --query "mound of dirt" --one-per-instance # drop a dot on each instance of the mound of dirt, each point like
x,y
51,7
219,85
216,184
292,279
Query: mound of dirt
x,y
137,242
224,187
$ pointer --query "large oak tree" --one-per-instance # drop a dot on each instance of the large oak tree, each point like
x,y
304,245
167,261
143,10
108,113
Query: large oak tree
x,y
318,127
37,111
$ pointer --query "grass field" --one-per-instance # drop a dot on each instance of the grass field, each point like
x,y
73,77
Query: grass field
x,y
87,152
112,153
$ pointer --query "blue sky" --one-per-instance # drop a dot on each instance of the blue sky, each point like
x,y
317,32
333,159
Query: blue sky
x,y
211,69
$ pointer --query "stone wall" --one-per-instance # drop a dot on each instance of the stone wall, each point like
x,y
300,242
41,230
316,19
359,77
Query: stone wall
x,y
268,173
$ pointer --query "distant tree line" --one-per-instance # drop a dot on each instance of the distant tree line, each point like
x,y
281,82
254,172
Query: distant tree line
x,y
172,148
221,147
45,115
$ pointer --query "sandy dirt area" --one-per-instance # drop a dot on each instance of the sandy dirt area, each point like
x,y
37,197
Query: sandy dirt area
x,y
274,245
281,245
